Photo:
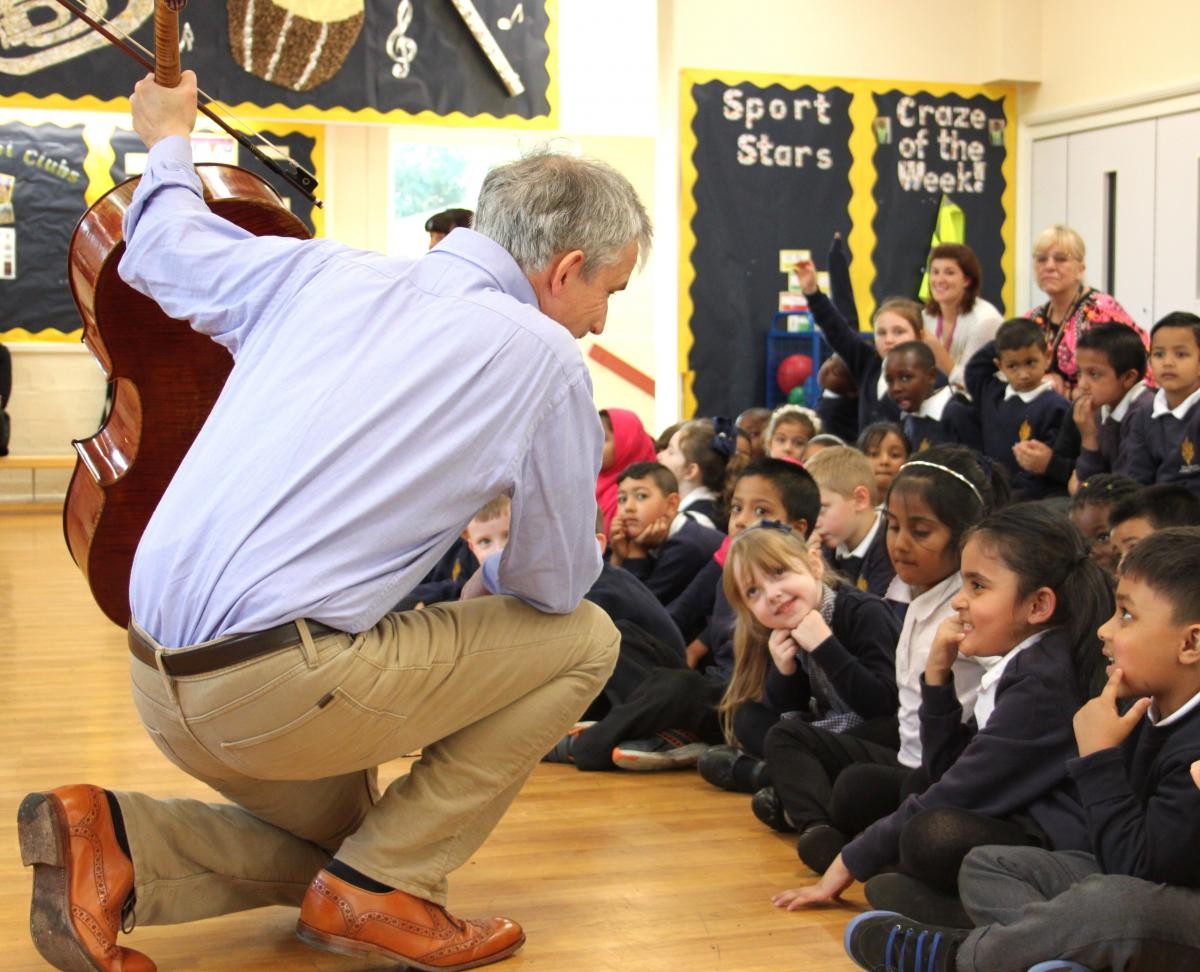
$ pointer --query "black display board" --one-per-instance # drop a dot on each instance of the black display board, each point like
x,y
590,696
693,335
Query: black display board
x,y
928,146
772,172
44,57
42,195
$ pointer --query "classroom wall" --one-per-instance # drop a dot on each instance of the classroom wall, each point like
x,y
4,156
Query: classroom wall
x,y
618,89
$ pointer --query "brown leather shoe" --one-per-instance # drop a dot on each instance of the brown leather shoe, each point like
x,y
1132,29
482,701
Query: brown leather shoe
x,y
339,917
81,881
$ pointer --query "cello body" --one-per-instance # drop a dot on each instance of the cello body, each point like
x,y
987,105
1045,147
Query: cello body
x,y
164,380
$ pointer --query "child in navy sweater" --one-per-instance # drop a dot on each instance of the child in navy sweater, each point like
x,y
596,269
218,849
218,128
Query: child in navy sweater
x,y
852,530
1130,901
1021,407
1032,599
929,415
651,539
1169,434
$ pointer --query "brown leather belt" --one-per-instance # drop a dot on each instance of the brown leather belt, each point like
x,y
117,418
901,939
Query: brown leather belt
x,y
225,651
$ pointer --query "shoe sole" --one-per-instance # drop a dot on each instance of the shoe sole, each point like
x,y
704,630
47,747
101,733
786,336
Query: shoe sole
x,y
350,946
854,923
45,846
680,758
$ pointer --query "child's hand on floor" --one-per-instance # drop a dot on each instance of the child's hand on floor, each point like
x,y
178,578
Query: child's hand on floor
x,y
833,882
1098,724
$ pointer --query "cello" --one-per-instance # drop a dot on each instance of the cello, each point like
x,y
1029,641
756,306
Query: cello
x,y
164,377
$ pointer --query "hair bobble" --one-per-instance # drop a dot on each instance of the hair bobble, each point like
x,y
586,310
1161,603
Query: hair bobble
x,y
724,440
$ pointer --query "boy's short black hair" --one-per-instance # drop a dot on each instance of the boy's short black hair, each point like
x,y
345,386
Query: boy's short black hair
x,y
1168,561
1020,332
1178,319
1163,505
1106,489
663,478
919,350
798,490
1119,343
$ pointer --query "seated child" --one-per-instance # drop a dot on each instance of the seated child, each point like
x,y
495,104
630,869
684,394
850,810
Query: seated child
x,y
1019,407
1111,367
1132,899
1166,437
807,648
625,598
1150,509
1112,392
852,530
818,443
929,415
1090,508
754,422
651,539
484,536
625,442
697,454
789,430
895,320
672,717
1032,601
887,448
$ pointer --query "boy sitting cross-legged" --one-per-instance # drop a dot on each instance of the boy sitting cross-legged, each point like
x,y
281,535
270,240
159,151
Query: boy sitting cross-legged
x,y
651,539
1119,906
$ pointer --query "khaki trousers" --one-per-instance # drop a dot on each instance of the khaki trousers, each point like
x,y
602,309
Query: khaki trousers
x,y
483,687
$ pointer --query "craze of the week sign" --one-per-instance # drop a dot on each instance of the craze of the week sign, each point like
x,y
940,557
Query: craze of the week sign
x,y
308,56
772,173
927,146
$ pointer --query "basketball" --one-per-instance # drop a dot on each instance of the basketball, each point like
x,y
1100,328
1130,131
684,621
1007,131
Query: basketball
x,y
793,371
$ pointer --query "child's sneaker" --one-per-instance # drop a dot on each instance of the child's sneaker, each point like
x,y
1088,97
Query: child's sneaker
x,y
669,749
561,753
880,940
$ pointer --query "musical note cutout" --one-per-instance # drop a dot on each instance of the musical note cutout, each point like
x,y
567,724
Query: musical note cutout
x,y
518,15
399,46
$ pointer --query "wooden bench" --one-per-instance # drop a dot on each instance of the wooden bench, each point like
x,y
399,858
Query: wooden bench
x,y
65,460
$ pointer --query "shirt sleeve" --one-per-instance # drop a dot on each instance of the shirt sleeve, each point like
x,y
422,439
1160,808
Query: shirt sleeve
x,y
199,267
552,557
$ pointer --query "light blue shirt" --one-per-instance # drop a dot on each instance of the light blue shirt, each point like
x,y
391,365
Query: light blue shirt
x,y
375,404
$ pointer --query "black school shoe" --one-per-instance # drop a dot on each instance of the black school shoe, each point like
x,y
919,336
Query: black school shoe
x,y
769,809
728,768
879,940
819,845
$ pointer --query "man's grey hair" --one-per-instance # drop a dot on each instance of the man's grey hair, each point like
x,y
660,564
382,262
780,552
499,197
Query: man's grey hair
x,y
547,204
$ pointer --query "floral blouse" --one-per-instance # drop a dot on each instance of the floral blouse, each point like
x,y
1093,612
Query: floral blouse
x,y
1090,307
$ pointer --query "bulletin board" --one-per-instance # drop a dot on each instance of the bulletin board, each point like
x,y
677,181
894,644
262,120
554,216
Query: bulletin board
x,y
779,162
312,60
52,169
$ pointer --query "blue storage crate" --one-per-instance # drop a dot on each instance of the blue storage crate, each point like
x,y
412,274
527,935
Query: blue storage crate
x,y
782,342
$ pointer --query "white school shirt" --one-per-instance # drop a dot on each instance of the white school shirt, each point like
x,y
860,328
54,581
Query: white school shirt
x,y
925,612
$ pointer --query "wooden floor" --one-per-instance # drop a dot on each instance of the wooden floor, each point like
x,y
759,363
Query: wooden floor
x,y
604,870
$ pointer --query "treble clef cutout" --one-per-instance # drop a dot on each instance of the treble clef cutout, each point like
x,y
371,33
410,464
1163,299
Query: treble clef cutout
x,y
399,46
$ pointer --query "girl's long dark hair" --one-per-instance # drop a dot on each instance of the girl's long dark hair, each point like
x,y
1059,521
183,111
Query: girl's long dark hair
x,y
1045,549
